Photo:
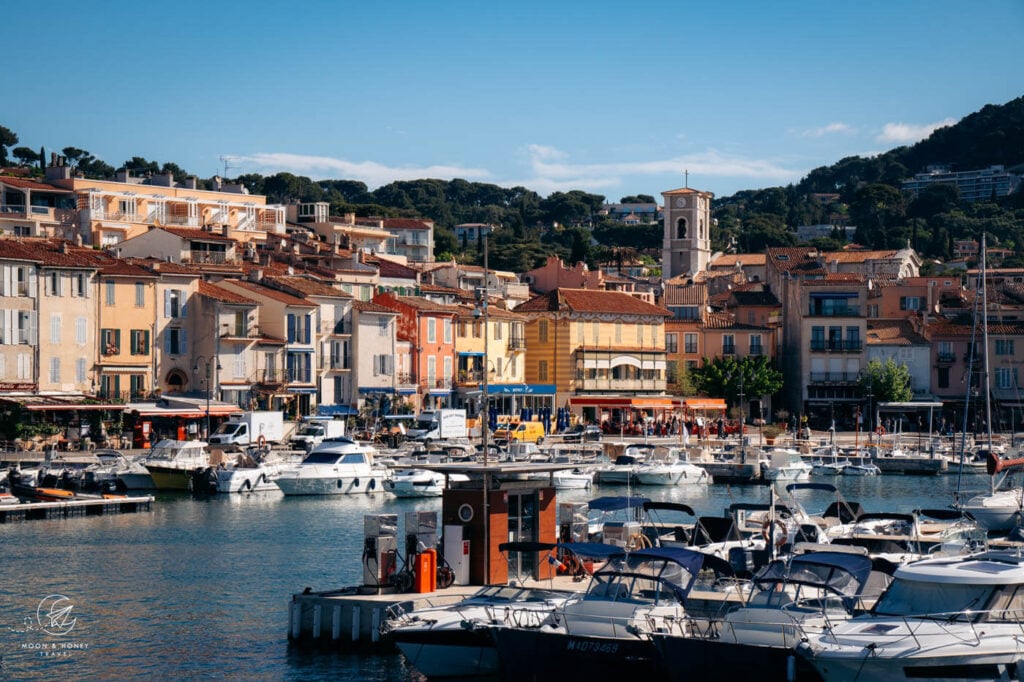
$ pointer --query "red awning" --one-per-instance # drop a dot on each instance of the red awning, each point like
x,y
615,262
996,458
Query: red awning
x,y
72,406
624,402
713,404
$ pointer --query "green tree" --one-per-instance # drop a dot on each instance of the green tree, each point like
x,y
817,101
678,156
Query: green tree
x,y
7,139
25,155
722,377
887,382
42,158
638,199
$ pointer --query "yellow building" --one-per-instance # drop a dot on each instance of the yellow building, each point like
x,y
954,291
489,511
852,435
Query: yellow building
x,y
126,316
603,350
503,354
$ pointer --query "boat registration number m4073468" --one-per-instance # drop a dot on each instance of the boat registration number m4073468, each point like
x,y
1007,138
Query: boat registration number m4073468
x,y
586,646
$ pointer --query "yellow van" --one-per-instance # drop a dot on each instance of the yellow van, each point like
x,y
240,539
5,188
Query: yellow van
x,y
528,432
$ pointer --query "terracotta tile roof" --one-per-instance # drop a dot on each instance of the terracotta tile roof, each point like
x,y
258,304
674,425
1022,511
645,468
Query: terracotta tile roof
x,y
858,256
408,224
746,260
33,185
590,301
219,293
389,268
259,290
696,294
427,306
893,333
687,191
437,289
306,286
493,312
166,267
57,253
371,307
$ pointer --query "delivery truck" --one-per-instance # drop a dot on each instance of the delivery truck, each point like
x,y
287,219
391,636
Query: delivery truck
x,y
435,425
313,430
250,428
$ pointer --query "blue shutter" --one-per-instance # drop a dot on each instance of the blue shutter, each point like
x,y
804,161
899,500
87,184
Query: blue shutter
x,y
167,302
291,328
167,341
184,345
309,329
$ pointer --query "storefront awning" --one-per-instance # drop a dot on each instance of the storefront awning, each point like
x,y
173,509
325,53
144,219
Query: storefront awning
x,y
38,403
521,389
624,402
371,390
704,404
302,389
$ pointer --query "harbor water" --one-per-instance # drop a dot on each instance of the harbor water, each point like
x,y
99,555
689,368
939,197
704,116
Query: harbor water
x,y
199,587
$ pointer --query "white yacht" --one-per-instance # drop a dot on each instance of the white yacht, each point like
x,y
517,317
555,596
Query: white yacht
x,y
785,465
670,467
249,473
338,466
951,618
419,482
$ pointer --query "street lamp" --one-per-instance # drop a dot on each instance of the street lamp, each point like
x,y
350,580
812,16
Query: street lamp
x,y
202,359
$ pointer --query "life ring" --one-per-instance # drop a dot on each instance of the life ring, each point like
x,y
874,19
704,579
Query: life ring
x,y
780,534
261,442
880,430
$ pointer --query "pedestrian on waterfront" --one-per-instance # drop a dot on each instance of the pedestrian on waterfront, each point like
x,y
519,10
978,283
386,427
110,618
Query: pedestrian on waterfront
x,y
721,428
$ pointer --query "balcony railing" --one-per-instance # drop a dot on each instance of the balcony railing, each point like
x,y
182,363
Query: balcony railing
x,y
338,362
757,350
301,375
946,357
469,377
839,346
690,348
406,379
729,349
218,257
621,384
834,377
516,343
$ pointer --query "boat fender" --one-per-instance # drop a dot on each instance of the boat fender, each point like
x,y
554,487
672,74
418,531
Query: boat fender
x,y
373,484
780,532
341,483
355,483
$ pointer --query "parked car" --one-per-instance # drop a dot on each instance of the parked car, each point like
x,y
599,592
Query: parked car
x,y
583,434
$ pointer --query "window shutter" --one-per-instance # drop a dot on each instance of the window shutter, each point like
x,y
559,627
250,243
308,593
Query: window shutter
x,y
291,328
5,281
182,311
33,283
167,302
32,328
167,341
184,343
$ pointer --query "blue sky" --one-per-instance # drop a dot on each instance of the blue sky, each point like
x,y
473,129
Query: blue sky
x,y
611,98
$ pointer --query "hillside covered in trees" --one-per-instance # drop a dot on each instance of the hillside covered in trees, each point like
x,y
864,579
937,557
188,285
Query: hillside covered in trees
x,y
860,191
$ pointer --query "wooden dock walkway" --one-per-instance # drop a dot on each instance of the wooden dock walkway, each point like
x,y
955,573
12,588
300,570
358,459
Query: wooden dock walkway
x,y
73,508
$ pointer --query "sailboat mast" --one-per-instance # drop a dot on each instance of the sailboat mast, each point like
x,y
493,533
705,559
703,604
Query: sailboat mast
x,y
984,345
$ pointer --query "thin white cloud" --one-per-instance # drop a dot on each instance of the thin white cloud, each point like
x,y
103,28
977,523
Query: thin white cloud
x,y
551,176
904,133
835,128
372,173
547,169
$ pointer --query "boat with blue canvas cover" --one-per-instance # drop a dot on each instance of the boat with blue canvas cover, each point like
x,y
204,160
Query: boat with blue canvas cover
x,y
604,634
790,598
456,641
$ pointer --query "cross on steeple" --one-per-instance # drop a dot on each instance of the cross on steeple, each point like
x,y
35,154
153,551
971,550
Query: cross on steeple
x,y
686,181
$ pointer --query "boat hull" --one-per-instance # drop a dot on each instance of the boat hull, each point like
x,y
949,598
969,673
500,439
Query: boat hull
x,y
684,659
335,485
538,654
449,652
169,478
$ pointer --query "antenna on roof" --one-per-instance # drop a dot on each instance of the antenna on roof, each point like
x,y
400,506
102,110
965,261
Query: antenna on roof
x,y
226,160
686,178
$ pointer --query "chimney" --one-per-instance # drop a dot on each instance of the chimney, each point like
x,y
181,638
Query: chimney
x,y
191,182
256,275
122,175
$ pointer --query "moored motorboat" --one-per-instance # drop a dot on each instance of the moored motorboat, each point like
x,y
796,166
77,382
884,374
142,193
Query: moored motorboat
x,y
790,598
951,618
171,462
456,640
419,482
338,466
604,633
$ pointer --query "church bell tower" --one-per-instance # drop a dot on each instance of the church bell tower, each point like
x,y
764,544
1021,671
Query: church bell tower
x,y
686,248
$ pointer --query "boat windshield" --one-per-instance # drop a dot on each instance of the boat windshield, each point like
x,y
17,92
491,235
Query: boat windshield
x,y
948,601
324,457
640,580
